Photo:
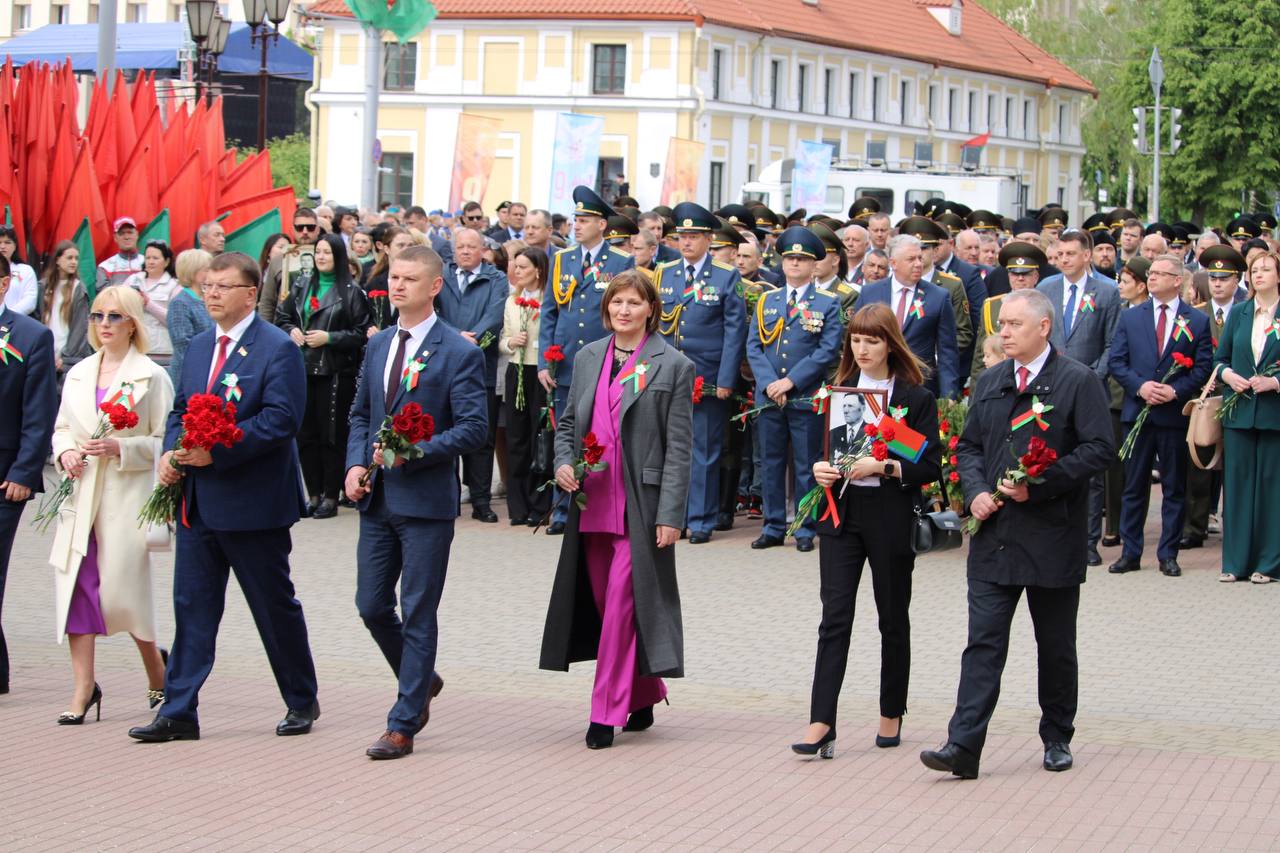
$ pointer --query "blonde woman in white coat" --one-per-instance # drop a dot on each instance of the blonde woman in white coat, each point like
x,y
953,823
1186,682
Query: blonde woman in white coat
x,y
102,570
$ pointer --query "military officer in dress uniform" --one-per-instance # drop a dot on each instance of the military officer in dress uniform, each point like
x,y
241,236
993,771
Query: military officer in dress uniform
x,y
1053,219
620,231
1267,222
1241,230
792,341
571,304
862,208
725,241
830,270
704,317
1022,262
771,224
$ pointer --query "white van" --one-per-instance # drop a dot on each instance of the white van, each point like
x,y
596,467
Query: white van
x,y
897,191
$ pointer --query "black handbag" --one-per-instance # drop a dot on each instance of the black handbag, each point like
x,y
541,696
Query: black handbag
x,y
936,531
544,454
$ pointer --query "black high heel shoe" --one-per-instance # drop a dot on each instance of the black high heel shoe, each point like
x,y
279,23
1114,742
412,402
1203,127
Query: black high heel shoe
x,y
824,748
155,697
639,719
886,742
66,718
599,736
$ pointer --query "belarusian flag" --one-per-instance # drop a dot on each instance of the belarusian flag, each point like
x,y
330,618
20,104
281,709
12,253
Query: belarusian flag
x,y
402,18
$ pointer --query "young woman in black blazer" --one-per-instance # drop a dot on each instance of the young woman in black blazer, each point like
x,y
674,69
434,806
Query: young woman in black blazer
x,y
877,510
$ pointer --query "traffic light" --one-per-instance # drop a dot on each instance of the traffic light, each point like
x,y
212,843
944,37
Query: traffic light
x,y
1174,129
1140,129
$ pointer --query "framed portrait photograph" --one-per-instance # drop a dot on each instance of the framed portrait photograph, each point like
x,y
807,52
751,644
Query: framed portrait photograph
x,y
849,410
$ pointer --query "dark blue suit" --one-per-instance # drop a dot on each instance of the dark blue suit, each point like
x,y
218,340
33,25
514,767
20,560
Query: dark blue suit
x,y
975,289
239,510
406,521
932,338
804,356
710,328
478,311
28,406
575,323
1163,440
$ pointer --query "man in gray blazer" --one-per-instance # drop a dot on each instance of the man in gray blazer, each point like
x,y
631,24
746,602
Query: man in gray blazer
x,y
1086,311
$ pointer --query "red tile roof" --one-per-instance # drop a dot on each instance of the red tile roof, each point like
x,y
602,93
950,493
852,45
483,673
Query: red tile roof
x,y
903,28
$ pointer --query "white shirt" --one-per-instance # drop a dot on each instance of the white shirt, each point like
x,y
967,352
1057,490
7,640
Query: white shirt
x,y
796,293
697,265
1033,367
236,332
1069,309
1225,309
590,256
466,277
870,417
23,288
898,289
412,347
1170,320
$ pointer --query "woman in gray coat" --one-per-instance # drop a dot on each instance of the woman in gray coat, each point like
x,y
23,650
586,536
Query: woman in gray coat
x,y
615,598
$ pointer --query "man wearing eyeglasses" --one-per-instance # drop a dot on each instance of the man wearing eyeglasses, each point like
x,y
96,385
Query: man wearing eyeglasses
x,y
473,216
306,231
28,404
238,505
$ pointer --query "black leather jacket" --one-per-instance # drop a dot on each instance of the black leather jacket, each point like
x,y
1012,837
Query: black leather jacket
x,y
343,313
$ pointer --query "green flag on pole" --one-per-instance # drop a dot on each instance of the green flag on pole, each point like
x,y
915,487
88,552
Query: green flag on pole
x,y
402,18
248,238
88,270
157,229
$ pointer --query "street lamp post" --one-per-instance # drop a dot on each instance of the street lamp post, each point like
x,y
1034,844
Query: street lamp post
x,y
217,44
265,17
1155,70
200,15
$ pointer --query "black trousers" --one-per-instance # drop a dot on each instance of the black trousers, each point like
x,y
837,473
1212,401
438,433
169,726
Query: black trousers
x,y
875,532
523,498
1202,496
477,467
10,515
1105,493
322,438
1053,616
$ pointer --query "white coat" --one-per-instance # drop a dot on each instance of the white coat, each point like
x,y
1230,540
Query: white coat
x,y
110,493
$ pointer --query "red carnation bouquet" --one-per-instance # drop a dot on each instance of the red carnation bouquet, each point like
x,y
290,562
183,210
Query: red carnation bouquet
x,y
591,459
400,436
208,422
529,311
874,444
112,417
553,356
1180,362
1030,469
378,301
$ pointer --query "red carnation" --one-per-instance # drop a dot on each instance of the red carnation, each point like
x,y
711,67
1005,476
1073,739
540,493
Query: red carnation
x,y
954,476
945,426
374,294
315,304
955,460
554,354
879,450
887,432
698,383
871,430
953,442
1183,360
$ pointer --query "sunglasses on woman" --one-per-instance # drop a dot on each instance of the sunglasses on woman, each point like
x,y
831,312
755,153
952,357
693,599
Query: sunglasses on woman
x,y
110,319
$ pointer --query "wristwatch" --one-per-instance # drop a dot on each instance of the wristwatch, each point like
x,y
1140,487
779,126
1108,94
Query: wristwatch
x,y
888,469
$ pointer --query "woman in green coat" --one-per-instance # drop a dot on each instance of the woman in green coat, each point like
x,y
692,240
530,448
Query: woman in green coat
x,y
1250,355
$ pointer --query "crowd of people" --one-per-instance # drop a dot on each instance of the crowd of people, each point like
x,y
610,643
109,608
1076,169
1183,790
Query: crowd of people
x,y
671,371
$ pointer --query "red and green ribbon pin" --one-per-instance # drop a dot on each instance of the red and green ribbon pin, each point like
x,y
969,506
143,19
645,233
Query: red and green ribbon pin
x,y
7,349
917,308
1033,415
820,399
1088,303
1181,331
1273,330
124,397
232,383
635,375
409,379
898,413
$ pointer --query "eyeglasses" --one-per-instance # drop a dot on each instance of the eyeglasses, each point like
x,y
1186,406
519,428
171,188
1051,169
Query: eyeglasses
x,y
303,226
1162,273
222,288
474,218
97,318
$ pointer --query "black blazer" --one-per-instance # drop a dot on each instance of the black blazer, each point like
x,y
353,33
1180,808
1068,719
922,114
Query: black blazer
x,y
904,494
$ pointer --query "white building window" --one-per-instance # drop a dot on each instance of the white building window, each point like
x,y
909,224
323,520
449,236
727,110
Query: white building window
x,y
855,95
953,109
717,70
878,95
906,100
21,17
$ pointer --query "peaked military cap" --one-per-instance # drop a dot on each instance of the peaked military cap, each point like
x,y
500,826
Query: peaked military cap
x,y
766,219
1053,217
1027,225
1118,216
828,238
692,217
1138,266
737,214
983,220
587,203
1243,228
925,230
1019,256
1222,261
958,208
1180,237
933,206
726,235
862,208
1266,221
1192,228
1095,224
798,240
953,222
620,228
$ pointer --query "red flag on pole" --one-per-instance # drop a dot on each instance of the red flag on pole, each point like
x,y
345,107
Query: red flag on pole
x,y
184,199
175,142
248,209
82,200
250,178
135,193
977,141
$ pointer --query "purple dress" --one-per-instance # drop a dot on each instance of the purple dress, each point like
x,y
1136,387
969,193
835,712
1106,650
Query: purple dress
x,y
84,615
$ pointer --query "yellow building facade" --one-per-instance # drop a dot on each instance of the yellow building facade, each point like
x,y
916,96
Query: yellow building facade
x,y
749,98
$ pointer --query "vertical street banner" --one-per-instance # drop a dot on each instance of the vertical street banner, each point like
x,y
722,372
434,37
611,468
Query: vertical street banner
x,y
680,178
809,178
575,157
472,158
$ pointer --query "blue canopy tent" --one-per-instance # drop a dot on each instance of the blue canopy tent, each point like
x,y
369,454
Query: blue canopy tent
x,y
153,47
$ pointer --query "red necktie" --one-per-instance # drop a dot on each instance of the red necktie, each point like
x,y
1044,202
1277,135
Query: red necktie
x,y
223,342
1023,375
1160,329
902,309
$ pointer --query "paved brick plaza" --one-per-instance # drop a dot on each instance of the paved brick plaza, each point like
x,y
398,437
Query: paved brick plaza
x,y
1178,742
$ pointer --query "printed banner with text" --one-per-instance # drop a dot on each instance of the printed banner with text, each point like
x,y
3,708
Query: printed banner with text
x,y
809,178
680,178
575,158
472,158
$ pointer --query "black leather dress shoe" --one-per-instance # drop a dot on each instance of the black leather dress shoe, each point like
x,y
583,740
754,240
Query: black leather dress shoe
x,y
766,541
1057,757
313,504
4,688
1123,565
804,546
1186,543
1092,557
437,684
1111,540
298,722
1170,568
699,538
163,729
518,522
483,513
328,509
555,528
953,759
724,521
